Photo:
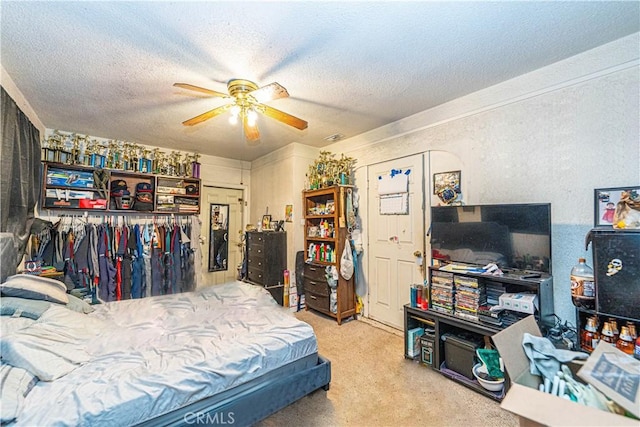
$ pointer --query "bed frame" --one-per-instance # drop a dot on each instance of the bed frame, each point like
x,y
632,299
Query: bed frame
x,y
249,403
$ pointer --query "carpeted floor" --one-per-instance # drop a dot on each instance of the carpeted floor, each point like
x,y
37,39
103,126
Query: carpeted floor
x,y
372,384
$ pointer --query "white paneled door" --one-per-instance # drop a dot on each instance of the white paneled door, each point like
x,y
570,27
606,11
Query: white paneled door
x,y
393,242
233,198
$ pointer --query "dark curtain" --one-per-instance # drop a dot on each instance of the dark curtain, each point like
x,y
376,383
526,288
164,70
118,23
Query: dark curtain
x,y
21,176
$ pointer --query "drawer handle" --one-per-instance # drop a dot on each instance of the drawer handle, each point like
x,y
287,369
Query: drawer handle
x,y
312,282
313,269
312,297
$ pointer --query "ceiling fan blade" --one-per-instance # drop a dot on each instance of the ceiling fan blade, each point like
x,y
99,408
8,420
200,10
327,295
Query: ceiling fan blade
x,y
283,117
269,93
206,116
250,132
201,89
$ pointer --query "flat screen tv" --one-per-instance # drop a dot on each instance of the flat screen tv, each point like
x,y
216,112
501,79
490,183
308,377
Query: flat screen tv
x,y
513,236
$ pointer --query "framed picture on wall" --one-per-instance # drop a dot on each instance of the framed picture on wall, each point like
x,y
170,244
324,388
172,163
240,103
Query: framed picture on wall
x,y
606,201
446,185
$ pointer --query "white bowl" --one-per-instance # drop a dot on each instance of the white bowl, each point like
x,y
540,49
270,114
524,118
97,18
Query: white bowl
x,y
487,384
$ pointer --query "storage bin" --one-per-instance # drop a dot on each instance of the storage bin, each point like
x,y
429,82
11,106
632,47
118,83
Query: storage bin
x,y
460,353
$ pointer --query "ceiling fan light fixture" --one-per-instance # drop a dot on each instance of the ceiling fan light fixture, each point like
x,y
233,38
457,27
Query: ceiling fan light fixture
x,y
252,116
235,113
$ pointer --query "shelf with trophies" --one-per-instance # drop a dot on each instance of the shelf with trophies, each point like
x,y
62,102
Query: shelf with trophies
x,y
80,173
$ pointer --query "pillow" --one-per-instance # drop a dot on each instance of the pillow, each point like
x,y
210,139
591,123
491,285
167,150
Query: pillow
x,y
35,287
21,307
15,384
54,345
38,279
79,305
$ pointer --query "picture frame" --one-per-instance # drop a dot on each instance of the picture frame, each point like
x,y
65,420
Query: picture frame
x,y
605,202
447,186
288,213
266,222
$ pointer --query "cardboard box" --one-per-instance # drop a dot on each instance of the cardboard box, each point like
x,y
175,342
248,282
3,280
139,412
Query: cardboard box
x,y
615,374
524,303
535,407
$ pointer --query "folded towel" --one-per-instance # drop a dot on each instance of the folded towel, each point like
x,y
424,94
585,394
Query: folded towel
x,y
544,358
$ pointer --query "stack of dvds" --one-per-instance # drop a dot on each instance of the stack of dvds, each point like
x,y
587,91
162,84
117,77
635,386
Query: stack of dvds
x,y
442,292
489,316
493,290
469,295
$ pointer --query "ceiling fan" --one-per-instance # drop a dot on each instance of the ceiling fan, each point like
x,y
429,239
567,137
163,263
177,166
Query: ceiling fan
x,y
246,101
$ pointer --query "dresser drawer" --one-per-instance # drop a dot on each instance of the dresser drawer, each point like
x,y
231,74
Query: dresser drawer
x,y
255,251
256,275
255,238
314,272
256,262
318,302
318,287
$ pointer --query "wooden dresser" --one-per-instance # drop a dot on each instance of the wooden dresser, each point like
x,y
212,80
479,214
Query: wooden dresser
x,y
267,260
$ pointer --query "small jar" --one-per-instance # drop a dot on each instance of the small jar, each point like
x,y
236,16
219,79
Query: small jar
x,y
625,342
614,328
606,334
589,337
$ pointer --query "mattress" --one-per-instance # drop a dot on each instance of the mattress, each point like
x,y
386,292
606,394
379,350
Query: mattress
x,y
152,356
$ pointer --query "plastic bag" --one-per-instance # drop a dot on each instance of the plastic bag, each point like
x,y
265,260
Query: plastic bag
x,y
346,261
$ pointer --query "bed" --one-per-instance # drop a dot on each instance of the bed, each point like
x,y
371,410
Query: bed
x,y
224,354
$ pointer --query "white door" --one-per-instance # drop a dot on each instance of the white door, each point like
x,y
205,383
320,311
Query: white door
x,y
233,198
393,240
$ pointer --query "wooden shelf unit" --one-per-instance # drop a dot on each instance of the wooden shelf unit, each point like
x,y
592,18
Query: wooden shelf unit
x,y
67,183
324,209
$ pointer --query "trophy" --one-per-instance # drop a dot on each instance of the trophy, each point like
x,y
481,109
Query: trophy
x,y
145,164
195,166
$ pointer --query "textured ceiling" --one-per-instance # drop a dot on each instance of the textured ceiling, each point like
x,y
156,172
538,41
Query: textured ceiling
x,y
106,68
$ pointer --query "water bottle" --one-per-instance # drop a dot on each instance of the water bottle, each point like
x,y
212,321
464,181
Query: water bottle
x,y
583,289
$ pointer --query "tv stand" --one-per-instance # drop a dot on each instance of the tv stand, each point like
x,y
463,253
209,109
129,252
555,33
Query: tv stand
x,y
450,323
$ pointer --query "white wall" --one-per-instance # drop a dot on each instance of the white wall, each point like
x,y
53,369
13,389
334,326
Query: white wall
x,y
552,135
12,90
278,180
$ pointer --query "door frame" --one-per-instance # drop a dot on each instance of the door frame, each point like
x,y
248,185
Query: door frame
x,y
204,251
426,203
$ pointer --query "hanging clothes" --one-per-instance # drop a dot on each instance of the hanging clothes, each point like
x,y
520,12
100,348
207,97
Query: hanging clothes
x,y
127,263
176,282
157,268
113,261
107,272
137,263
186,259
70,271
167,263
146,254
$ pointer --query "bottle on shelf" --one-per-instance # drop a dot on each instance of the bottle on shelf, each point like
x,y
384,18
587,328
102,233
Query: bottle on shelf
x,y
625,342
606,334
583,289
614,328
589,336
632,330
